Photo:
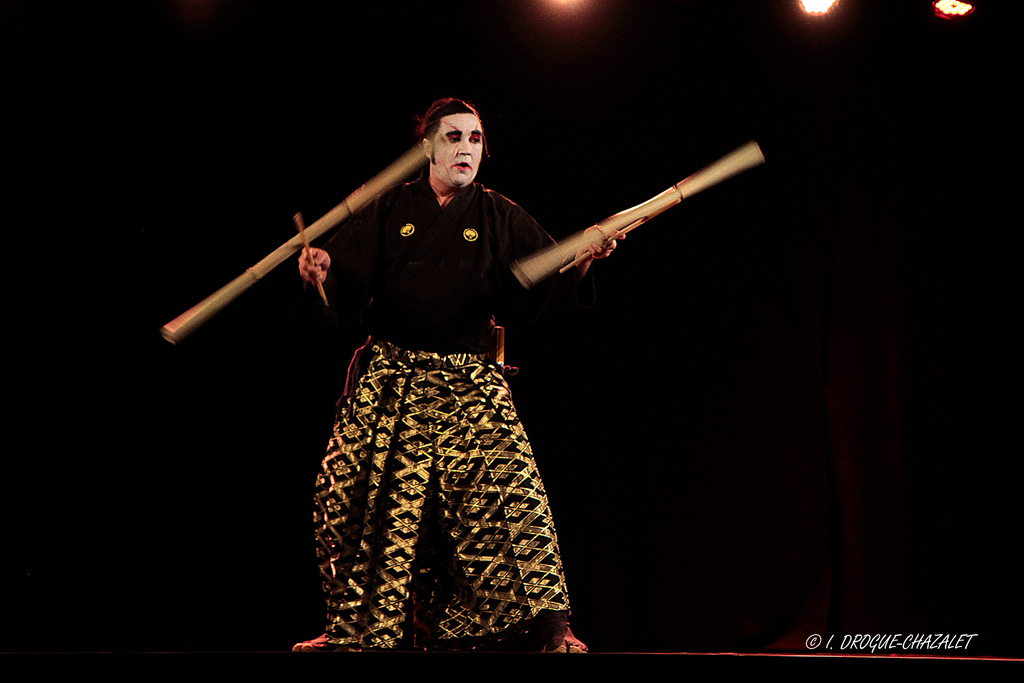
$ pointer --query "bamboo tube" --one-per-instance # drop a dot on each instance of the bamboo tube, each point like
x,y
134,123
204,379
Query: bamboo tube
x,y
192,319
542,264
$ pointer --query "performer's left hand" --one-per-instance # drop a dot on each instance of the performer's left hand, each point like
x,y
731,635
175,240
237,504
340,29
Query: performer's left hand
x,y
597,251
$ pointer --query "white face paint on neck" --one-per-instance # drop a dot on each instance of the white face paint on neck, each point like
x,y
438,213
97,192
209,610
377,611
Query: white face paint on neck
x,y
455,153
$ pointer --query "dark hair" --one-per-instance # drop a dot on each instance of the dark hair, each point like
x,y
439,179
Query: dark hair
x,y
427,124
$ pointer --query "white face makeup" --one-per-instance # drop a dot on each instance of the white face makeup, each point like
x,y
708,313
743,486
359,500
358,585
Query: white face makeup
x,y
458,147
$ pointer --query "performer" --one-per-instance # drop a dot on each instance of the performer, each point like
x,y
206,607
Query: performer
x,y
432,523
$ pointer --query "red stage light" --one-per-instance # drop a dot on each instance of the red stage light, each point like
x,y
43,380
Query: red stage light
x,y
948,9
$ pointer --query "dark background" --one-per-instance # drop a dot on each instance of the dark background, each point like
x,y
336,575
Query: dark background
x,y
790,413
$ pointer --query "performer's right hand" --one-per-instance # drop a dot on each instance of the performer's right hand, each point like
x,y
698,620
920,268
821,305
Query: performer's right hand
x,y
318,271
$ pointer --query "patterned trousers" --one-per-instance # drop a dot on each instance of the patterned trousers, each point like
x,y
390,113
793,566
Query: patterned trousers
x,y
431,519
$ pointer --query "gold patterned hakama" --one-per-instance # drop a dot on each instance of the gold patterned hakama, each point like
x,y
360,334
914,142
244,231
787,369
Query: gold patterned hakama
x,y
431,519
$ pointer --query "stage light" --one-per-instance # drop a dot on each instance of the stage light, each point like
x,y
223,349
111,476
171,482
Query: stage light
x,y
950,9
817,6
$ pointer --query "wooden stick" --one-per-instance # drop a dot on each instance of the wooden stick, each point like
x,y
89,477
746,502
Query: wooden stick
x,y
192,319
542,264
580,258
301,225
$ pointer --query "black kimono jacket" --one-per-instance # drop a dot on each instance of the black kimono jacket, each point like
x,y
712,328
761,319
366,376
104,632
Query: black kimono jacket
x,y
433,279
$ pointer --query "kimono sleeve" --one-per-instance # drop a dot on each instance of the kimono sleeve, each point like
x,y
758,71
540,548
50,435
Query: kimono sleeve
x,y
558,294
355,256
